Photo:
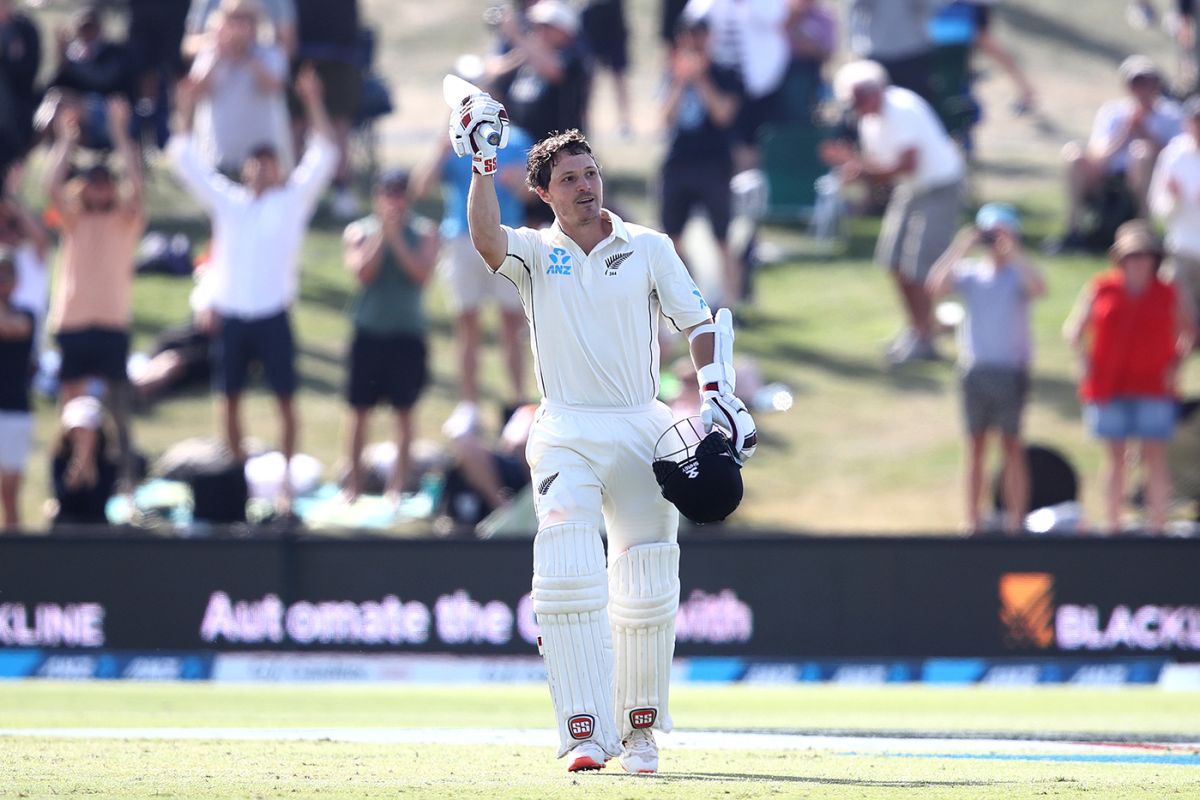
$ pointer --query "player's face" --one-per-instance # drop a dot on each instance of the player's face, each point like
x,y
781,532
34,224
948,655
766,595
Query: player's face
x,y
576,190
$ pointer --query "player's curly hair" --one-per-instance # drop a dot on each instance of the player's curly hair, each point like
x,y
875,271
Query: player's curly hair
x,y
544,155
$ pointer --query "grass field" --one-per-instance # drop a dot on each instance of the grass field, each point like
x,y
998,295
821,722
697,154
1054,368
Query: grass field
x,y
241,743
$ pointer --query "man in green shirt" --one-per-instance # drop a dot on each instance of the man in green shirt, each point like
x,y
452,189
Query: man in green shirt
x,y
392,254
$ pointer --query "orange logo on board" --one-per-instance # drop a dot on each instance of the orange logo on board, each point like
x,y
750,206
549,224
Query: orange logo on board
x,y
1027,609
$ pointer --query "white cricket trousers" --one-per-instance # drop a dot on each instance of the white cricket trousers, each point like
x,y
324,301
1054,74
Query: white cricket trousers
x,y
592,462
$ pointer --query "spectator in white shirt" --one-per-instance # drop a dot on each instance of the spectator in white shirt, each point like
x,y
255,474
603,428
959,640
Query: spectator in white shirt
x,y
902,142
242,83
1126,137
1175,199
258,228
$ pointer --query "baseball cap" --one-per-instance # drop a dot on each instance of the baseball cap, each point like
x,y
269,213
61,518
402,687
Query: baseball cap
x,y
556,14
855,74
1138,66
82,412
998,215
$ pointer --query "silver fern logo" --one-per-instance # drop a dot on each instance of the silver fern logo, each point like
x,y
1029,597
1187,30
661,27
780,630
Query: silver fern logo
x,y
612,263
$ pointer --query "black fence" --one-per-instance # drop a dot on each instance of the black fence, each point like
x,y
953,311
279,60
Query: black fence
x,y
785,597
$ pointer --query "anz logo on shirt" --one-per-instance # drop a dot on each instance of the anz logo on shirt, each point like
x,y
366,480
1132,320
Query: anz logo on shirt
x,y
560,262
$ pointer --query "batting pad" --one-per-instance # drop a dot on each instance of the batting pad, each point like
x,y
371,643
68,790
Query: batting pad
x,y
643,598
570,598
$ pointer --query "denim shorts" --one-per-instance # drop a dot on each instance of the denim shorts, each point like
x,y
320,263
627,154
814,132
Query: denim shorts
x,y
1132,418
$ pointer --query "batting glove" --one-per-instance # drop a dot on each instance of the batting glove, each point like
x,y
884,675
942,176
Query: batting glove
x,y
479,127
725,411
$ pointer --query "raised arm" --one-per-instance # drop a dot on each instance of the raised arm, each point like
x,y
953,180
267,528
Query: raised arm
x,y
316,169
483,217
204,183
67,131
941,277
1032,280
118,131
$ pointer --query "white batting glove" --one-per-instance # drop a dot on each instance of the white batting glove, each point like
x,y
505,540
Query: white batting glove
x,y
727,412
479,127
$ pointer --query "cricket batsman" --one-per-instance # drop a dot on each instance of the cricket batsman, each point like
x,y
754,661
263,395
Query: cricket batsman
x,y
593,288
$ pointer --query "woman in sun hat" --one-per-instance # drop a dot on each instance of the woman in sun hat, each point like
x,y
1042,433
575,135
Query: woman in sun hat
x,y
1130,329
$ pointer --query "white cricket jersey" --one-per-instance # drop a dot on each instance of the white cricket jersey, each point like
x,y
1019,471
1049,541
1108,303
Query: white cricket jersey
x,y
593,318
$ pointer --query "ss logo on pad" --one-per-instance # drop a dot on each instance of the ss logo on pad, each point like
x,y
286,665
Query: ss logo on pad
x,y
643,717
581,726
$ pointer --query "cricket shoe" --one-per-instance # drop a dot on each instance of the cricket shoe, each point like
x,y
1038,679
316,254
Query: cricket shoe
x,y
640,753
586,756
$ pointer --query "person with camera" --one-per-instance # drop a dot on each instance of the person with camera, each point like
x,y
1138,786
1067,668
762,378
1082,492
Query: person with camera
x,y
994,349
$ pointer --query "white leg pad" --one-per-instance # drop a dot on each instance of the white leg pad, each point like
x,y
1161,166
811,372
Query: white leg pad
x,y
570,598
643,599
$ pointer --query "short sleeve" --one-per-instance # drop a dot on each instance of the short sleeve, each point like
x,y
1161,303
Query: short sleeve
x,y
964,277
678,296
522,258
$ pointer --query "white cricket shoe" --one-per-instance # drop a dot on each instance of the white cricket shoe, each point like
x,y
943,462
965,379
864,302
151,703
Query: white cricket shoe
x,y
586,756
640,753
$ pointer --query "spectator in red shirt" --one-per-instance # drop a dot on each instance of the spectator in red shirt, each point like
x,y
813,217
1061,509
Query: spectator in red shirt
x,y
1131,329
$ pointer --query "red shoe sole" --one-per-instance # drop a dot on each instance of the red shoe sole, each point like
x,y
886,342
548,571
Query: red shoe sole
x,y
584,764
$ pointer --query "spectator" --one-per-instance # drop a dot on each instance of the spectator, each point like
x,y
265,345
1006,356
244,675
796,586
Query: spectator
x,y
1126,138
155,29
484,478
544,78
895,33
281,13
90,68
258,228
700,110
994,350
16,422
182,355
329,39
1175,198
102,223
748,36
981,13
391,254
902,141
20,57
82,468
241,84
607,40
21,233
469,285
812,36
1130,330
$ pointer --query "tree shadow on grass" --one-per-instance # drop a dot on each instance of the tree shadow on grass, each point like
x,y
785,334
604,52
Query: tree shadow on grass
x,y
751,777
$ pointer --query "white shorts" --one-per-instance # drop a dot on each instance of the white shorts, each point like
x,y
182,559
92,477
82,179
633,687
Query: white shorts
x,y
588,464
468,280
16,435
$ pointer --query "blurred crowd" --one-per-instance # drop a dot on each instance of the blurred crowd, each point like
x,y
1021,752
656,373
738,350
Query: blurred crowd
x,y
254,105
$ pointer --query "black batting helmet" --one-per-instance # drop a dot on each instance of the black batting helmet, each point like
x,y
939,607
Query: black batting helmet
x,y
698,473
